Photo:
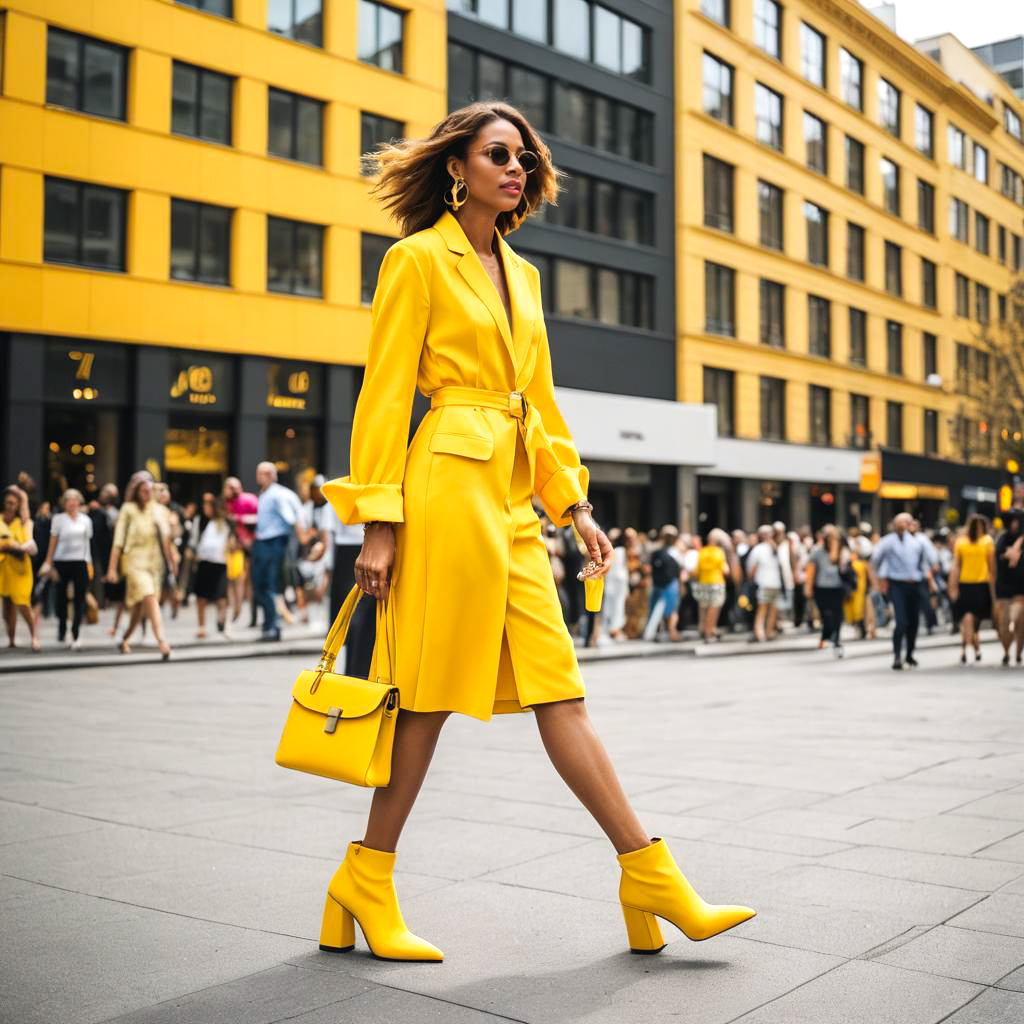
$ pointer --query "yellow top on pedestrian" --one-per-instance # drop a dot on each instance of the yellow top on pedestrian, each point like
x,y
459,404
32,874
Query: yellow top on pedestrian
x,y
974,557
711,564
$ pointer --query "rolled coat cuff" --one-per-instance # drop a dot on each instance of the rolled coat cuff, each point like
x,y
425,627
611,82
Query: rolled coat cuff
x,y
364,503
564,487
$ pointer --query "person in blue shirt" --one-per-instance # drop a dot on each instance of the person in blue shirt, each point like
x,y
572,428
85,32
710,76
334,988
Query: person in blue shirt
x,y
901,561
276,520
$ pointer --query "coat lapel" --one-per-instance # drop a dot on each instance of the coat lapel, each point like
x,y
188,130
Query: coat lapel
x,y
472,271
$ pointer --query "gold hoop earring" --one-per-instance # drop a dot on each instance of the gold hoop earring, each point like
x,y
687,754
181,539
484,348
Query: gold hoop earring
x,y
451,197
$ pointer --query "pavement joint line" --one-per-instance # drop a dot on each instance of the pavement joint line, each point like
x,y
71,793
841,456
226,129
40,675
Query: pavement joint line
x,y
530,860
155,910
775,998
996,842
942,885
896,942
976,995
58,835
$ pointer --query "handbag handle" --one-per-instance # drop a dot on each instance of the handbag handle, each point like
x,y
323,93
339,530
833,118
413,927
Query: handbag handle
x,y
339,630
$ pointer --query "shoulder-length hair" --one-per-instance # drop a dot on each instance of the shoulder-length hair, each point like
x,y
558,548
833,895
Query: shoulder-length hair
x,y
411,176
131,492
977,526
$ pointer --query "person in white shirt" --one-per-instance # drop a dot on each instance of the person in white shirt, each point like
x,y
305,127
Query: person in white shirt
x,y
68,560
764,569
318,561
211,532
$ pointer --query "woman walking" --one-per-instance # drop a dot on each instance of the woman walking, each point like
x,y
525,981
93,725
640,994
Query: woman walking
x,y
16,577
142,542
1010,586
210,534
826,568
69,558
715,562
972,583
458,314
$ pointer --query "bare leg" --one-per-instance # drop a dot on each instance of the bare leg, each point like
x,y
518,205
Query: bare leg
x,y
579,757
151,607
416,736
1004,625
712,621
201,616
133,620
9,620
759,617
1017,622
26,613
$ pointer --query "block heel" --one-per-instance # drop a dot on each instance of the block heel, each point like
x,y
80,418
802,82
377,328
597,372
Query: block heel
x,y
643,931
338,931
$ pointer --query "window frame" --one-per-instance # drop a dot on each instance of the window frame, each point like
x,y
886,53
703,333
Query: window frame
x,y
295,100
81,188
200,209
81,41
202,74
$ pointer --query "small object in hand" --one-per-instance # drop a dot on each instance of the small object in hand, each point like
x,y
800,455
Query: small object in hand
x,y
587,571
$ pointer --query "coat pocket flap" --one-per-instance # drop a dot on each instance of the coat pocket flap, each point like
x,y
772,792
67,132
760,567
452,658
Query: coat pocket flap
x,y
352,696
471,445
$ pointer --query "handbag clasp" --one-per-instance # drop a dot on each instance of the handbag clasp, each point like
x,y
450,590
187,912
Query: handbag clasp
x,y
333,715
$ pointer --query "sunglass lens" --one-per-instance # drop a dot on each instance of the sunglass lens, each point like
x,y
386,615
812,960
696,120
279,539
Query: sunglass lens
x,y
499,156
528,161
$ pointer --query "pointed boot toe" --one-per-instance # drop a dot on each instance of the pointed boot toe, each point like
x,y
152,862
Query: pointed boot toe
x,y
652,886
363,890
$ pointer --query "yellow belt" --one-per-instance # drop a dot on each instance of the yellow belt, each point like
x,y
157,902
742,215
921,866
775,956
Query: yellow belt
x,y
512,402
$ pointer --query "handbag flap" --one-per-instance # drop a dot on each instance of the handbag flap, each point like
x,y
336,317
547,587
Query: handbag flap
x,y
353,696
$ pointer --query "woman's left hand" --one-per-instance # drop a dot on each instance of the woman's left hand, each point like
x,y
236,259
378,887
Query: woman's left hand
x,y
598,545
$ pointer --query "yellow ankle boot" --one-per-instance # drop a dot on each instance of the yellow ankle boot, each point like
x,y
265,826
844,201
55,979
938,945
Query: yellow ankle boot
x,y
652,885
363,889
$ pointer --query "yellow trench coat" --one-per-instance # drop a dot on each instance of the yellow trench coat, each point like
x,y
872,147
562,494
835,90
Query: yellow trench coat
x,y
474,621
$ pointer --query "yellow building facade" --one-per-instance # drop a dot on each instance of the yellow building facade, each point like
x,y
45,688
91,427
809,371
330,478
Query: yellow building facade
x,y
739,37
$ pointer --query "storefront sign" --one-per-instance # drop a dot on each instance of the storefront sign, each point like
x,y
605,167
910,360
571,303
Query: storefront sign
x,y
870,473
913,492
986,495
294,388
204,380
84,372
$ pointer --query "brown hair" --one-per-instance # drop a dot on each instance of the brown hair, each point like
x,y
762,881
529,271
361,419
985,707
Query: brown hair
x,y
131,492
411,177
977,525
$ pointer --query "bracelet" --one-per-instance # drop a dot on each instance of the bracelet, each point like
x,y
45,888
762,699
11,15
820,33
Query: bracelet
x,y
578,506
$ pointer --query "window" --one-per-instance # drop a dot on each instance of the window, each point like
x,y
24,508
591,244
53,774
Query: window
x,y
602,294
858,337
773,409
719,391
769,203
295,127
926,206
956,147
860,427
221,7
719,299
854,165
718,194
817,234
931,432
893,269
820,415
768,116
981,306
815,141
854,251
889,107
962,289
930,351
295,253
200,242
372,250
890,186
574,293
380,35
1002,309
894,424
1018,252
574,114
851,79
963,367
981,365
812,55
302,20
924,130
894,347
1013,185
717,89
773,313
929,296
819,326
768,26
716,10
529,91
376,130
201,103
619,45
572,28
85,74
981,163
83,224
958,219
981,229
1011,122
1002,244
590,120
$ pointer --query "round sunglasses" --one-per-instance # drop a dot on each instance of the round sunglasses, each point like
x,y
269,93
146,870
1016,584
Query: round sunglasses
x,y
500,155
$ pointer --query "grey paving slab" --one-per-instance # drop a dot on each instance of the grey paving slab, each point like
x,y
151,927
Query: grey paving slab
x,y
939,833
19,822
902,799
991,1007
959,953
1002,913
1011,848
867,991
1007,804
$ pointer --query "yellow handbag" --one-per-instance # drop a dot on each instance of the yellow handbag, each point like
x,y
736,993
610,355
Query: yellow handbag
x,y
342,727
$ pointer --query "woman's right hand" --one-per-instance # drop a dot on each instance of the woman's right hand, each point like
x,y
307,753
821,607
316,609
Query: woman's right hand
x,y
111,578
376,557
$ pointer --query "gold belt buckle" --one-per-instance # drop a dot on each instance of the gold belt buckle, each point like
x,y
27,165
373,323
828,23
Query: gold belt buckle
x,y
523,404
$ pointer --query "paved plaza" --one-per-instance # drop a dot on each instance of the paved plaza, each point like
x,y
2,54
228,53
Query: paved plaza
x,y
157,866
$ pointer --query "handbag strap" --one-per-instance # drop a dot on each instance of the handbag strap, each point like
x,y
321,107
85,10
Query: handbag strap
x,y
339,630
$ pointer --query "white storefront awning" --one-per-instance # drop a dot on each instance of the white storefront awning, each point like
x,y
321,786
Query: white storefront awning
x,y
765,460
623,428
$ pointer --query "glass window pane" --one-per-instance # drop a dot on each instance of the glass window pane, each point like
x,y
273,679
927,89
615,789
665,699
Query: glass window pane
x,y
605,209
61,217
184,104
308,252
390,40
634,51
491,82
184,232
572,28
530,19
279,254
216,108
461,73
279,128
279,16
102,230
62,68
214,244
607,39
367,42
493,12
572,289
309,23
103,81
529,92
572,113
310,132
608,308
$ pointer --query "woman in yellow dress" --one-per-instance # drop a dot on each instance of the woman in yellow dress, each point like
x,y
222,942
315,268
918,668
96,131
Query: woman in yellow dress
x,y
142,542
972,583
453,546
16,550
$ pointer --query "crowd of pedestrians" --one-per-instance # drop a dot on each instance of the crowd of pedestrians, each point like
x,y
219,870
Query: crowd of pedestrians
x,y
288,557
